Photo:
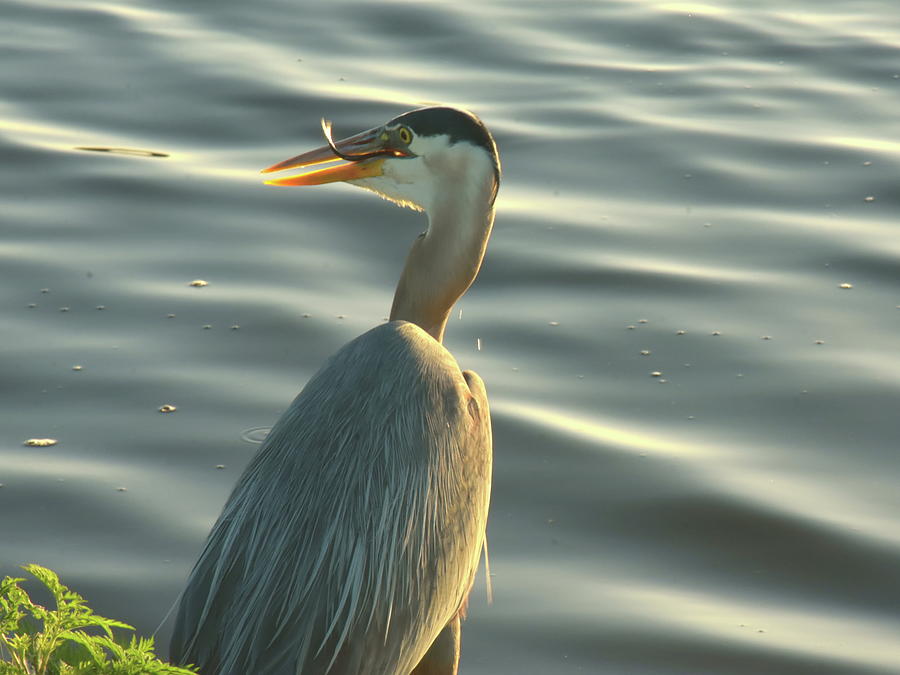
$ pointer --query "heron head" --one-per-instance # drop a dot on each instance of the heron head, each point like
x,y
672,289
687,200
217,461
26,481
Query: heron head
x,y
413,160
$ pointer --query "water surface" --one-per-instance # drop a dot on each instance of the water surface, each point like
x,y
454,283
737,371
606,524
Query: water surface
x,y
696,181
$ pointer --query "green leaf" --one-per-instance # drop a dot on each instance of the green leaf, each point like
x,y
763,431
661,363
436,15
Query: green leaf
x,y
60,641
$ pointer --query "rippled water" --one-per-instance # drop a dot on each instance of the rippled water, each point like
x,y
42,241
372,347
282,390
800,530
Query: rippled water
x,y
693,181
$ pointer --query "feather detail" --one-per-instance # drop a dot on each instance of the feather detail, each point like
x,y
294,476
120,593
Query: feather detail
x,y
357,528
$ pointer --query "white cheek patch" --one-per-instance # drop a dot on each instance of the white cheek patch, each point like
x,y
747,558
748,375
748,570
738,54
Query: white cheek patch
x,y
387,187
407,182
425,181
429,145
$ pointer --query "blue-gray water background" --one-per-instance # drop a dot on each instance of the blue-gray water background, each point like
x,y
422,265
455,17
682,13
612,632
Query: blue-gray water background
x,y
693,180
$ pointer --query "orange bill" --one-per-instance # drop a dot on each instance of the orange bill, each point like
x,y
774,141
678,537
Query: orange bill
x,y
370,146
342,172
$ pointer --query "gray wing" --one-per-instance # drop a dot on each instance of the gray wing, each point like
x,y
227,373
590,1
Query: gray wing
x,y
352,538
442,658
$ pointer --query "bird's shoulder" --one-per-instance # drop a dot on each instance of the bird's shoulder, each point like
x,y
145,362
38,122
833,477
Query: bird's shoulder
x,y
393,376
399,340
391,358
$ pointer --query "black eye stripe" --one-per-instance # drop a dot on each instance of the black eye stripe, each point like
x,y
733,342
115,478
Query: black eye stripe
x,y
441,120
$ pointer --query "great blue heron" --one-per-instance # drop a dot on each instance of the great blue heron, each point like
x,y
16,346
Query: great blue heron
x,y
350,543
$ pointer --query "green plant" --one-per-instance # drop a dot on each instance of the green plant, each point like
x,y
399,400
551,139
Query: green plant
x,y
68,640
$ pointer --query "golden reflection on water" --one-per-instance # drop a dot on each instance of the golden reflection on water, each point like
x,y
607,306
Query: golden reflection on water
x,y
875,144
33,128
690,8
747,478
727,617
797,496
606,431
128,12
844,23
398,98
671,268
134,152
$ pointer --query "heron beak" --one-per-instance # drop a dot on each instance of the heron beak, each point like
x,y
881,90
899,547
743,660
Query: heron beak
x,y
370,146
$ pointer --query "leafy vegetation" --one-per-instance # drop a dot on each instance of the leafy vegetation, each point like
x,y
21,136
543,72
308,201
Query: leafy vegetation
x,y
68,640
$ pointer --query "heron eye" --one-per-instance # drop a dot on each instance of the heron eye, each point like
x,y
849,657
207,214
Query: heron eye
x,y
405,135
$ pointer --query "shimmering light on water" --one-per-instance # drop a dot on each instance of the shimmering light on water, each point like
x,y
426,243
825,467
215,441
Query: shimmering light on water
x,y
603,432
691,8
879,145
749,622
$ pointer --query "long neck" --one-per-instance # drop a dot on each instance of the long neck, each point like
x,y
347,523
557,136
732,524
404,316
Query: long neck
x,y
444,261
